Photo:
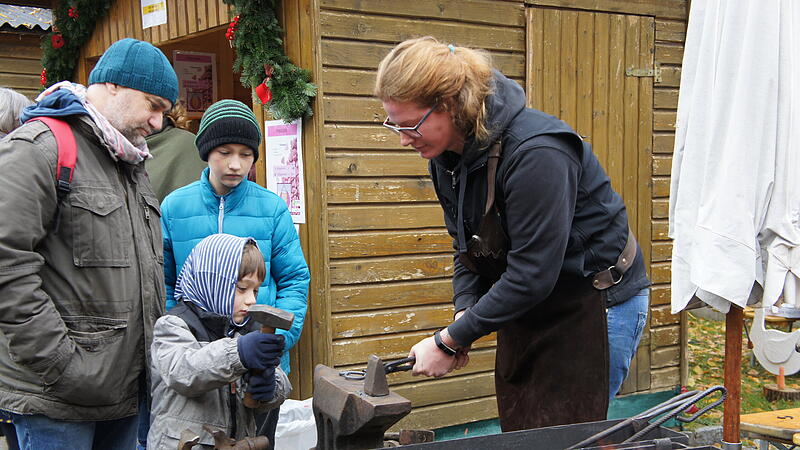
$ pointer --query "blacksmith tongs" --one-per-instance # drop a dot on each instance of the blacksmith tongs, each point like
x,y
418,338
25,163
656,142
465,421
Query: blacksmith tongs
x,y
400,365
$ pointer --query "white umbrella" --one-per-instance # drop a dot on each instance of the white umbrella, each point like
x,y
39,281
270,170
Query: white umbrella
x,y
735,194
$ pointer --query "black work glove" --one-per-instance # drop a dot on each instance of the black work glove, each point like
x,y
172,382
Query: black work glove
x,y
262,386
260,351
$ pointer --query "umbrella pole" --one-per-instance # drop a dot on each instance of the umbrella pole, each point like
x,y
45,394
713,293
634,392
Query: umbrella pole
x,y
733,378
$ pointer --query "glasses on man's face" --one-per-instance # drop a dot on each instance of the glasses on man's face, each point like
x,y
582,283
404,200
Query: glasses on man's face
x,y
412,132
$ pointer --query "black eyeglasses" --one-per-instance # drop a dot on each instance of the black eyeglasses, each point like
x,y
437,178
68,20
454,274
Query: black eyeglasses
x,y
412,132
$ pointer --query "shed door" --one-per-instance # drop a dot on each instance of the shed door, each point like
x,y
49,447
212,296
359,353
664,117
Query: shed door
x,y
577,62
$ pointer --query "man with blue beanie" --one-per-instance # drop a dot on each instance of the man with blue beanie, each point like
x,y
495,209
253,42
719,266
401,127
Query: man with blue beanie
x,y
81,259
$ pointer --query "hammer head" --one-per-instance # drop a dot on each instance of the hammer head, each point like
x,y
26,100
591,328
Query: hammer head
x,y
270,317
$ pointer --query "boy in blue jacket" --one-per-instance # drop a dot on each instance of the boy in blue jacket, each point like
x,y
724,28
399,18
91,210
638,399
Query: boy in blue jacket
x,y
224,201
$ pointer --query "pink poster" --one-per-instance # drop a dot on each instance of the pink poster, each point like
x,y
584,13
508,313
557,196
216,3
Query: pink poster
x,y
197,80
285,165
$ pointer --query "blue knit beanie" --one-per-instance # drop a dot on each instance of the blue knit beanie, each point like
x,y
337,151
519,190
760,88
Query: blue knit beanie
x,y
137,65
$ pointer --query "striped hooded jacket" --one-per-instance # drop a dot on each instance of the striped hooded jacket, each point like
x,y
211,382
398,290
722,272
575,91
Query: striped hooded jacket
x,y
197,374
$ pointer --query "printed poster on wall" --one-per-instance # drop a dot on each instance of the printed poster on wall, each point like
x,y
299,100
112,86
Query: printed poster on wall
x,y
284,158
154,13
197,80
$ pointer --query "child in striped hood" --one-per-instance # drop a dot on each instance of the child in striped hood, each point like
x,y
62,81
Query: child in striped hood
x,y
202,352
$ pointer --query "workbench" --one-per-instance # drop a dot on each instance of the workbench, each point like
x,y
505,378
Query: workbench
x,y
781,428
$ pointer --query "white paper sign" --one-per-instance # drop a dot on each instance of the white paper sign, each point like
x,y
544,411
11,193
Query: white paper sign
x,y
284,160
154,13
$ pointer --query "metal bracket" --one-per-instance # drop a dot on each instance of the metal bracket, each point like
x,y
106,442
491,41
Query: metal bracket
x,y
655,72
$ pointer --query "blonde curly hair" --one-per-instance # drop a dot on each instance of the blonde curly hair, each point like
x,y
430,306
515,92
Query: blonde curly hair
x,y
427,72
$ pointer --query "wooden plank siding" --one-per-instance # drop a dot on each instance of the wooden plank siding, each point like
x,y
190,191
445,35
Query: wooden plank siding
x,y
390,256
185,19
669,45
20,63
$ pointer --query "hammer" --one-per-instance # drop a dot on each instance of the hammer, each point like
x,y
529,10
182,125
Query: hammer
x,y
270,318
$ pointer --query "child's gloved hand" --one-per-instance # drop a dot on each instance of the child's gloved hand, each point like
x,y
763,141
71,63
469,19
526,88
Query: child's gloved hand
x,y
262,386
260,351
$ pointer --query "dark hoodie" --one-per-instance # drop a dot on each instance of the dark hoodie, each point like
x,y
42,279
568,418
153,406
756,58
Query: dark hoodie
x,y
557,206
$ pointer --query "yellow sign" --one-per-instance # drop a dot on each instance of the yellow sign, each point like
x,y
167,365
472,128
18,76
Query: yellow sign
x,y
149,9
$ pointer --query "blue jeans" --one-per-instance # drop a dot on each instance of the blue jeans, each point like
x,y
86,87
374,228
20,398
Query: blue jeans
x,y
37,432
143,427
626,321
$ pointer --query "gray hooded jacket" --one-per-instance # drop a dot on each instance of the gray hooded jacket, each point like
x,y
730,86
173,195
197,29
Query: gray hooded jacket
x,y
197,373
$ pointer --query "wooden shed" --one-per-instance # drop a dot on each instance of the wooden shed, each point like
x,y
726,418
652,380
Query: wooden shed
x,y
379,255
22,26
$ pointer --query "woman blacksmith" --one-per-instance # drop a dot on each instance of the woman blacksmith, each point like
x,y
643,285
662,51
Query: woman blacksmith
x,y
542,240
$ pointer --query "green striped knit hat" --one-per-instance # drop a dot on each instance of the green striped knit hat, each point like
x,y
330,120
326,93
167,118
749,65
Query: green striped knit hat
x,y
228,122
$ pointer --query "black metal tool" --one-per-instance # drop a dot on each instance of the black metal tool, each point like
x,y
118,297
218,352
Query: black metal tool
x,y
400,365
667,410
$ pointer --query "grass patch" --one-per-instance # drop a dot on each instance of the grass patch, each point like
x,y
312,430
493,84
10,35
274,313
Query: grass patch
x,y
706,368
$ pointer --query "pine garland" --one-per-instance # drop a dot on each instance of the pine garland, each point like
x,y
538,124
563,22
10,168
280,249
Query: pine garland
x,y
258,42
73,24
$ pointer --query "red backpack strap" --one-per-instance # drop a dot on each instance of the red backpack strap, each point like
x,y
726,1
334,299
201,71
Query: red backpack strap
x,y
67,157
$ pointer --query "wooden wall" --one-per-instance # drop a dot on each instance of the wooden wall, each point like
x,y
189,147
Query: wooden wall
x,y
192,25
20,62
185,18
665,327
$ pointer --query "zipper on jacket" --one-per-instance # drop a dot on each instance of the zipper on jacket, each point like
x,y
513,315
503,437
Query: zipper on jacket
x,y
453,179
221,214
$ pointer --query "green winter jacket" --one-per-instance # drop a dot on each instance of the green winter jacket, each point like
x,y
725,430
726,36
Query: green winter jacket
x,y
175,162
77,305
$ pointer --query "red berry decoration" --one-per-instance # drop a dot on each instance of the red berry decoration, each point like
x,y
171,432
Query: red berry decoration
x,y
72,12
43,78
57,40
230,33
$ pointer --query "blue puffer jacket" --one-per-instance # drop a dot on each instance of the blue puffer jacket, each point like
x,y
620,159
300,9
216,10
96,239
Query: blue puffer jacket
x,y
193,212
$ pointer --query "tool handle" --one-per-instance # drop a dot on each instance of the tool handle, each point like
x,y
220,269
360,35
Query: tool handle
x,y
249,401
400,365
268,330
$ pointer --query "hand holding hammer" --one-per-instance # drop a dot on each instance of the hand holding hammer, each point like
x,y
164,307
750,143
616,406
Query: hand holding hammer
x,y
262,351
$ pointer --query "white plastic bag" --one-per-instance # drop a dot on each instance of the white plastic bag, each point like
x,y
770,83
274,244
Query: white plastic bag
x,y
296,428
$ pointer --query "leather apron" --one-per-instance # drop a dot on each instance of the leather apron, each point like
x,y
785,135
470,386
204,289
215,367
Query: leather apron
x,y
551,366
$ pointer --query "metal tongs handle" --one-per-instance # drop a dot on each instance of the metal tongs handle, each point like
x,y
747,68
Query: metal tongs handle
x,y
395,366
400,365
670,408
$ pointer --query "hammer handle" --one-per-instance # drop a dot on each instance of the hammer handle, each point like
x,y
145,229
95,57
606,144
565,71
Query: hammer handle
x,y
249,401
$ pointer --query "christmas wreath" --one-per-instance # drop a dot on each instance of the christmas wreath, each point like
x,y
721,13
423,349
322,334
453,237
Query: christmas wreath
x,y
285,89
73,24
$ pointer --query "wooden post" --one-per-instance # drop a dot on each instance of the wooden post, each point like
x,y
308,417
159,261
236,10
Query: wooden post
x,y
733,374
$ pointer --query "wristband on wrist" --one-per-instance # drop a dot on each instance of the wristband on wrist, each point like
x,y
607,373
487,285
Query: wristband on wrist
x,y
437,338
